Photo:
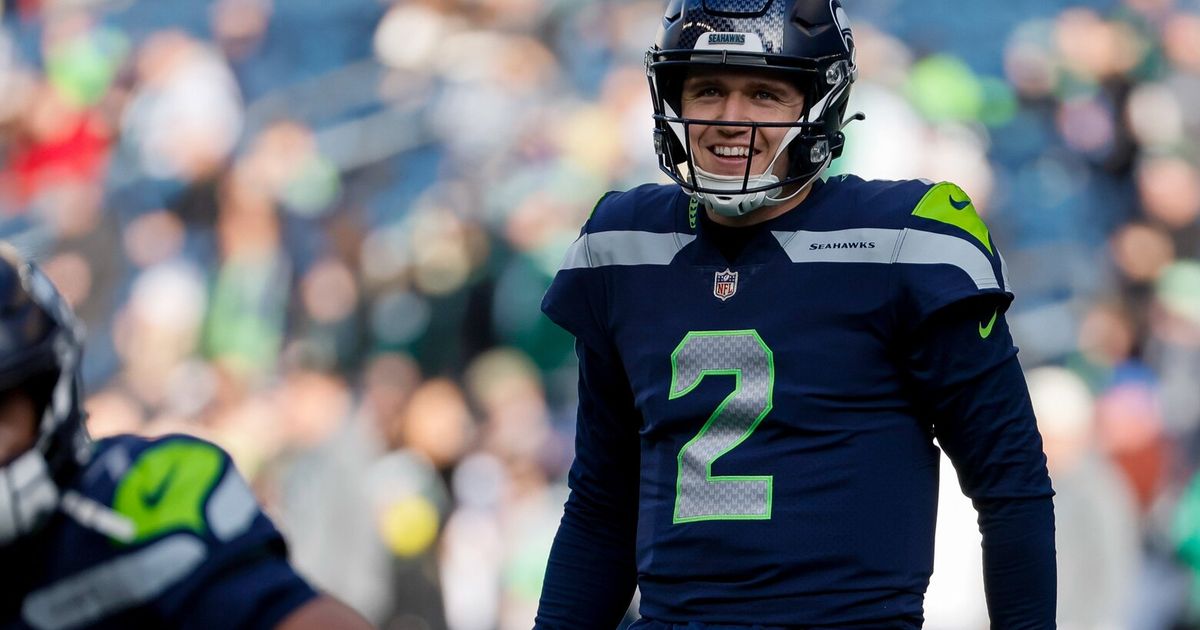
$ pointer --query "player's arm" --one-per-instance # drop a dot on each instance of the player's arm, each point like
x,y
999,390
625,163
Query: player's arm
x,y
265,592
952,294
966,370
591,572
321,613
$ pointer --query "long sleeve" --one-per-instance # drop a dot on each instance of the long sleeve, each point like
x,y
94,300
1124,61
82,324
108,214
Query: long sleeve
x,y
970,382
591,573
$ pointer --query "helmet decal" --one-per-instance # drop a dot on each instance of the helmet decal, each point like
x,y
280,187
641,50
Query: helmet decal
x,y
734,42
843,22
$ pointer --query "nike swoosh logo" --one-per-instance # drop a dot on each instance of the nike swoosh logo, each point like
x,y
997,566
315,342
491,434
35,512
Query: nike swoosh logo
x,y
985,331
959,205
155,496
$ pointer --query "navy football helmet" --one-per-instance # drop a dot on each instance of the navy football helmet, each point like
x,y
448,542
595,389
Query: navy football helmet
x,y
807,42
40,346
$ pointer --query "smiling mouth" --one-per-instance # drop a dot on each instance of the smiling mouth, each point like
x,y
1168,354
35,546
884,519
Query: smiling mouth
x,y
730,160
732,153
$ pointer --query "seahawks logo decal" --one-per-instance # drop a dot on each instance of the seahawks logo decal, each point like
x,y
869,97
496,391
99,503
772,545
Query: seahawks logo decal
x,y
843,23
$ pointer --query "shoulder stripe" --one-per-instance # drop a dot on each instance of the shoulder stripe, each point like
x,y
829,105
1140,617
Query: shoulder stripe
x,y
867,245
232,507
884,246
1004,274
98,517
931,248
625,247
130,580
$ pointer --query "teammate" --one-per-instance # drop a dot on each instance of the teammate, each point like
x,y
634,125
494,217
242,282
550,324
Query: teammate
x,y
766,358
124,532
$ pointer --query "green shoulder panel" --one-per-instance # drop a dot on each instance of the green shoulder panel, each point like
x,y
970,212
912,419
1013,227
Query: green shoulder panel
x,y
166,488
947,203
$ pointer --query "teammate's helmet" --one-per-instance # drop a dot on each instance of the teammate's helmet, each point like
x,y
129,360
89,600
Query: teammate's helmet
x,y
40,345
806,41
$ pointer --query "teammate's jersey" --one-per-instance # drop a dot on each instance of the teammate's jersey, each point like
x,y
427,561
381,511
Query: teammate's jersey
x,y
184,545
788,475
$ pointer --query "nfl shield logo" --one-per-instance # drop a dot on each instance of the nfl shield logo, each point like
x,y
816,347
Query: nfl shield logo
x,y
725,284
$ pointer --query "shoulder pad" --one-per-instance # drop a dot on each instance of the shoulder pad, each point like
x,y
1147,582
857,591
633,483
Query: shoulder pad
x,y
944,230
874,203
948,204
190,518
181,484
649,207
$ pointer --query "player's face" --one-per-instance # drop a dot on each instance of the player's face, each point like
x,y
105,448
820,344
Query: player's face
x,y
18,424
743,96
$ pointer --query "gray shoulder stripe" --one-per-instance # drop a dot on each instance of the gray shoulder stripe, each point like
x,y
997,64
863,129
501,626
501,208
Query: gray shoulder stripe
x,y
232,507
883,246
1004,274
127,581
625,247
931,248
868,245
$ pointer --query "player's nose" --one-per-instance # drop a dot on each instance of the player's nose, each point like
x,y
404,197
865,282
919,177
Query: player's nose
x,y
734,108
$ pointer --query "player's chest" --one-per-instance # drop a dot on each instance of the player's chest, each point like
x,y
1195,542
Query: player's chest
x,y
773,334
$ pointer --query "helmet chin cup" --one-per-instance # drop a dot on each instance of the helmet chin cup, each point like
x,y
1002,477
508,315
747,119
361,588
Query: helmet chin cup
x,y
736,203
28,496
732,205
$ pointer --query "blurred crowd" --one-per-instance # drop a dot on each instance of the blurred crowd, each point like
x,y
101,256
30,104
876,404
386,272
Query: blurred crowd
x,y
318,233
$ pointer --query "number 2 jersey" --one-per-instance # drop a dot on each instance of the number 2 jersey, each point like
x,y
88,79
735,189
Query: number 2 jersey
x,y
152,534
756,423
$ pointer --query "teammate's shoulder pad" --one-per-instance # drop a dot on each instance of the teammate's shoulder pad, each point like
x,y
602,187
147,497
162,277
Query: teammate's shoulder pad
x,y
138,445
647,207
178,483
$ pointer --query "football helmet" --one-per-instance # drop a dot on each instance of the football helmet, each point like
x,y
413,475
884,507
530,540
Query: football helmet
x,y
40,347
807,42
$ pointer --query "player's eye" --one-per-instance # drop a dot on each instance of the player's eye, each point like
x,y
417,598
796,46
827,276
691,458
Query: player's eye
x,y
766,95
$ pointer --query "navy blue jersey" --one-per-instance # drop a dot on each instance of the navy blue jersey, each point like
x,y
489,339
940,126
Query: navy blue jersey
x,y
153,534
755,441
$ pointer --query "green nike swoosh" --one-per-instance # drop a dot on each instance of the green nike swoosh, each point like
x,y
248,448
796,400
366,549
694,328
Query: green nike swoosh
x,y
985,331
155,496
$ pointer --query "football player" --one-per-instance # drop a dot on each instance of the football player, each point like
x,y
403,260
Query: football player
x,y
123,532
767,357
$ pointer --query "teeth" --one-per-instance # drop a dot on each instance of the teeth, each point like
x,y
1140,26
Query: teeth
x,y
732,151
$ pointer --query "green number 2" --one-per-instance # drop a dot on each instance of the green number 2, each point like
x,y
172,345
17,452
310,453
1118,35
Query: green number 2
x,y
699,495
